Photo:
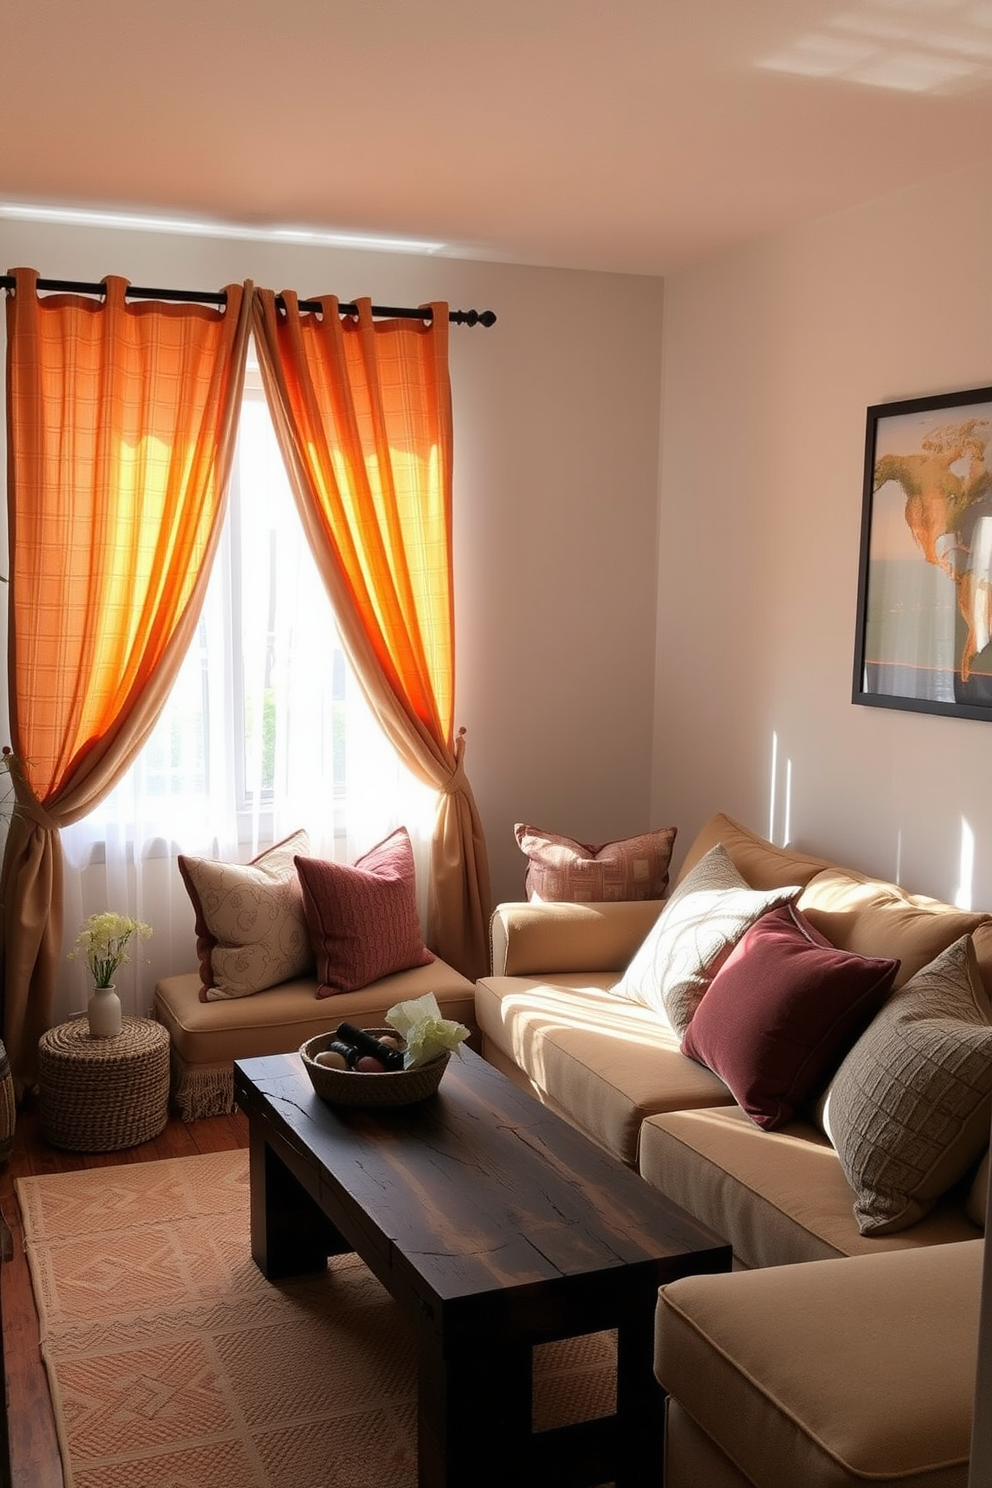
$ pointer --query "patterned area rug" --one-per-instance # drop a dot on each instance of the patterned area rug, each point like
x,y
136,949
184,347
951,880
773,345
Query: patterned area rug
x,y
174,1364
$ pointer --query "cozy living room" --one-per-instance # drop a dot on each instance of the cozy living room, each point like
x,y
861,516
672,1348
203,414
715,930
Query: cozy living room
x,y
497,878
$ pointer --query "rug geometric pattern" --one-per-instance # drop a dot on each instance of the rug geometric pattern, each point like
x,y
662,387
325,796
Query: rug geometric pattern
x,y
173,1363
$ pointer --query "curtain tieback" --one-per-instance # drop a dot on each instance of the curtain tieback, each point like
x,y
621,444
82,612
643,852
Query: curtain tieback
x,y
456,780
37,814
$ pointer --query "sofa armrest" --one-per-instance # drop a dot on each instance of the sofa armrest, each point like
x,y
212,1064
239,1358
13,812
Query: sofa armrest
x,y
533,938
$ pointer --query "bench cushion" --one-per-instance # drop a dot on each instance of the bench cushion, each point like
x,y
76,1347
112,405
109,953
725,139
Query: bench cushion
x,y
207,1036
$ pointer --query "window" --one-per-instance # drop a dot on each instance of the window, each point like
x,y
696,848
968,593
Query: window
x,y
266,730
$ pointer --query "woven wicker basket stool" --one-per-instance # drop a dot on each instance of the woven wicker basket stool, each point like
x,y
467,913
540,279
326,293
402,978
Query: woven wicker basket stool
x,y
100,1094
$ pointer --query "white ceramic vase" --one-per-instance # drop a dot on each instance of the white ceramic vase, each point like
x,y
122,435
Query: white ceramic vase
x,y
104,1013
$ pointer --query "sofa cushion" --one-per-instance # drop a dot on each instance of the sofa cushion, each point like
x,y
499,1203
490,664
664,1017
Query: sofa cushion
x,y
529,938
827,1375
562,869
602,1063
702,921
908,1110
781,1012
760,863
873,918
251,932
362,918
778,1196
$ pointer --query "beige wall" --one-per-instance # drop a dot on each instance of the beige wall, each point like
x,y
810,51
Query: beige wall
x,y
771,357
556,457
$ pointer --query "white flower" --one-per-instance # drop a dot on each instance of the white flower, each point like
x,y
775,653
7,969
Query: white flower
x,y
102,944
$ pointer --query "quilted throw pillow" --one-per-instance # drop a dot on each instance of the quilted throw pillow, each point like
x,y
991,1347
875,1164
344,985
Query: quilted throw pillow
x,y
781,1013
251,931
908,1110
563,870
362,917
700,924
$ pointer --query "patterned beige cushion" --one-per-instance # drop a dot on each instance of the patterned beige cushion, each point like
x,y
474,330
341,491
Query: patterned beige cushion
x,y
701,923
908,1110
250,924
561,870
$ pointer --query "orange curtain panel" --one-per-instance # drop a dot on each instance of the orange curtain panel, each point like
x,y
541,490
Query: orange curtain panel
x,y
362,408
121,425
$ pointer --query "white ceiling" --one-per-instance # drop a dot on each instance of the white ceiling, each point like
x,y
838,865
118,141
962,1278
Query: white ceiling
x,y
630,135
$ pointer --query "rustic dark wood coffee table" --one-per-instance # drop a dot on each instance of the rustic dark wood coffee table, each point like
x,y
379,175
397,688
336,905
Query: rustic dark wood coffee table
x,y
499,1227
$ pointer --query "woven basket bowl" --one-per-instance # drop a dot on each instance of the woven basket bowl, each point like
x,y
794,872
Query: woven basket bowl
x,y
359,1088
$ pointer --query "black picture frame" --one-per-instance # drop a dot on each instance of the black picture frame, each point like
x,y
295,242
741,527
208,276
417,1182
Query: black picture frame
x,y
924,621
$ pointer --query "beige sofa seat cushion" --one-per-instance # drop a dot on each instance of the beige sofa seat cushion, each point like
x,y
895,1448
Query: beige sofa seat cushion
x,y
280,1019
601,1062
777,1196
826,1375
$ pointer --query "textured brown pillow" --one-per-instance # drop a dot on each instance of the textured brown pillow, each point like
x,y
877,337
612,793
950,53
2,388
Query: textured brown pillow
x,y
908,1110
559,869
781,1013
362,918
700,924
250,928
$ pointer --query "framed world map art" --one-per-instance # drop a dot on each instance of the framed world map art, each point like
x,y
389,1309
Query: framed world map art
x,y
924,624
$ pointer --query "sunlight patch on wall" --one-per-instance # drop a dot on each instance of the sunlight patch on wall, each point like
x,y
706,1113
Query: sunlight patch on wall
x,y
910,46
965,893
780,798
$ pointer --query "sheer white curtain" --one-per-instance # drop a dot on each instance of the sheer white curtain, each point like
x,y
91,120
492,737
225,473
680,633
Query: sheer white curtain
x,y
266,731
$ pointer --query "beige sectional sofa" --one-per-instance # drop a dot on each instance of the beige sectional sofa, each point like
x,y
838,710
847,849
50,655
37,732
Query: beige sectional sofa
x,y
833,1373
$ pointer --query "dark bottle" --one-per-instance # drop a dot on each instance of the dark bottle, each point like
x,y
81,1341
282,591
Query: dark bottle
x,y
367,1043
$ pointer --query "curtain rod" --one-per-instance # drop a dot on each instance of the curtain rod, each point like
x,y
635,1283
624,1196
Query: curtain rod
x,y
218,297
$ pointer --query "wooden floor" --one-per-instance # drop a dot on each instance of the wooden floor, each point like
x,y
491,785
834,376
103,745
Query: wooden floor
x,y
34,1453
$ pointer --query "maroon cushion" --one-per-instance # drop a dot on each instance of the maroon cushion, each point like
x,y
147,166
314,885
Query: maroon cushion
x,y
362,919
782,1012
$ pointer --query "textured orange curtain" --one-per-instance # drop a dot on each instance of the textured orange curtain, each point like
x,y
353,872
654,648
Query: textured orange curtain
x,y
121,426
362,409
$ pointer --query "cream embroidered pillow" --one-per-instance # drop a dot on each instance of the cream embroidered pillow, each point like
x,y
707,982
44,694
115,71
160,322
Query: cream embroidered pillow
x,y
251,930
908,1110
702,921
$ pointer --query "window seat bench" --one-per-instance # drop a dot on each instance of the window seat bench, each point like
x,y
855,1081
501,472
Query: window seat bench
x,y
206,1037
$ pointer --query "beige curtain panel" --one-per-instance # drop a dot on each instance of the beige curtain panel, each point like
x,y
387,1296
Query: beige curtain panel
x,y
122,422
362,410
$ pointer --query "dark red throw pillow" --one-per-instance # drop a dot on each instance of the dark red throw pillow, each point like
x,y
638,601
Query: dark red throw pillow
x,y
362,918
781,1013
